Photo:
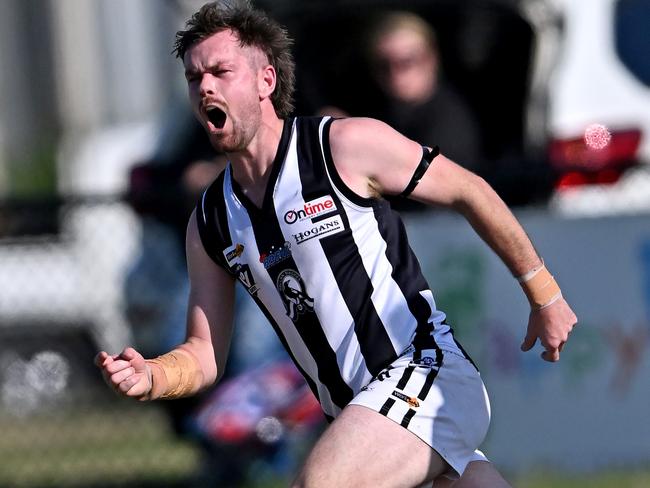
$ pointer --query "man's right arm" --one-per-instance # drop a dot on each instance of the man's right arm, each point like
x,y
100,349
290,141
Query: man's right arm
x,y
200,360
210,307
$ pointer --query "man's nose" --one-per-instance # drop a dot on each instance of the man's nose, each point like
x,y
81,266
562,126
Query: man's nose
x,y
207,86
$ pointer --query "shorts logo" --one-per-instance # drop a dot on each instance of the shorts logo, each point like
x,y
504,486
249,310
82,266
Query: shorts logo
x,y
426,361
276,255
412,401
332,225
294,295
311,209
233,252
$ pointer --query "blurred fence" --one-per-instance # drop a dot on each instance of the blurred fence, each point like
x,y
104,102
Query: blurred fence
x,y
62,268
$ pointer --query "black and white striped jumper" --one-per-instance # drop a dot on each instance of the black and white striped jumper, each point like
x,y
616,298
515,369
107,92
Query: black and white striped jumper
x,y
332,271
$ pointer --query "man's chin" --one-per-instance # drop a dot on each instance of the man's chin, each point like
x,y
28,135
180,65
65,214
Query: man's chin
x,y
223,144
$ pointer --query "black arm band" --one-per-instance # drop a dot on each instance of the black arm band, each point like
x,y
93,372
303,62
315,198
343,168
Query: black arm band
x,y
427,157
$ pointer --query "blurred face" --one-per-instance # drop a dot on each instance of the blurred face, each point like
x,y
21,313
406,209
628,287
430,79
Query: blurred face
x,y
405,66
223,84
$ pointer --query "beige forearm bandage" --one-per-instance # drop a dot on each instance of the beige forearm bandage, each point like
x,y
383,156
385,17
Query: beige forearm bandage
x,y
540,287
175,374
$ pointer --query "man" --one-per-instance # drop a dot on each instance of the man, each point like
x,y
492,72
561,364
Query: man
x,y
298,219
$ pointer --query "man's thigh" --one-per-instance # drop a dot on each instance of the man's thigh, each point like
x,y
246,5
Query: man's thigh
x,y
363,448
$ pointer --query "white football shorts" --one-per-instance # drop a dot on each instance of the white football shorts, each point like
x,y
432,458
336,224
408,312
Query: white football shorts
x,y
440,398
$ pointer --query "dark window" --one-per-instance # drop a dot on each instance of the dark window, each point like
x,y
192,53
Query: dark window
x,y
632,34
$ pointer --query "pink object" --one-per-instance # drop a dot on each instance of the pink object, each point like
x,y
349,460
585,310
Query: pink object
x,y
597,136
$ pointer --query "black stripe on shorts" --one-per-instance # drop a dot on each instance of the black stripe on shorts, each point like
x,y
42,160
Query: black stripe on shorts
x,y
428,382
406,376
407,418
387,406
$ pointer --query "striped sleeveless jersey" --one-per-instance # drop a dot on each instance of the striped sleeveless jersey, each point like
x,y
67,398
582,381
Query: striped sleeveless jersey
x,y
332,271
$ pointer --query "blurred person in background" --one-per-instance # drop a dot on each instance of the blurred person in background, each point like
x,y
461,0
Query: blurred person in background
x,y
401,51
295,217
403,55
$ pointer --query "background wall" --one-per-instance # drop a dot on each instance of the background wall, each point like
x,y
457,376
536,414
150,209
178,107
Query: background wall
x,y
588,410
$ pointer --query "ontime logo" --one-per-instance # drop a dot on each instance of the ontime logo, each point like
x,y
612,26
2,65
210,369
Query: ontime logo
x,y
311,209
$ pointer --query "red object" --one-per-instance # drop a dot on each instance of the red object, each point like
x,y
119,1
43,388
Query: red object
x,y
578,164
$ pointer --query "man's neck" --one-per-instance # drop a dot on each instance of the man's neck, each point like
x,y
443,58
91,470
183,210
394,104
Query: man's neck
x,y
252,167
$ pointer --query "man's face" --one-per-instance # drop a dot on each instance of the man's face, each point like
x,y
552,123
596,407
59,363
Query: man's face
x,y
222,80
405,66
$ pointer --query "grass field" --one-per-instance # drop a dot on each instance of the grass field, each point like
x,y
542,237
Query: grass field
x,y
133,446
93,447
624,479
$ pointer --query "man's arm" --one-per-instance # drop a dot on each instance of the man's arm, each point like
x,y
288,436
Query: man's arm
x,y
371,157
200,360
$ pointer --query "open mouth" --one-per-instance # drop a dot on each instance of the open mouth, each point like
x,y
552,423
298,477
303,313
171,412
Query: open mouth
x,y
216,116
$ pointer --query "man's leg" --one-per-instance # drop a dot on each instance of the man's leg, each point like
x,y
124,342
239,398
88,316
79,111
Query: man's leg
x,y
362,448
478,474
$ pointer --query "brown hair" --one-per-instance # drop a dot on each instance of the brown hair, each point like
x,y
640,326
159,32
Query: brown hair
x,y
253,28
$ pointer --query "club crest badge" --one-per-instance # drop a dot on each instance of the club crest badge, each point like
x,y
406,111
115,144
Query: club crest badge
x,y
294,295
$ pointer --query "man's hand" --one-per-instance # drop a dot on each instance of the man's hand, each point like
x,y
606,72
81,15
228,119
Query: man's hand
x,y
127,373
552,325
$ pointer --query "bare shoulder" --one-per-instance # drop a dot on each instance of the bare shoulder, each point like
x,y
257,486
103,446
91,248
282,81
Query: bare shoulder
x,y
357,126
366,149
361,133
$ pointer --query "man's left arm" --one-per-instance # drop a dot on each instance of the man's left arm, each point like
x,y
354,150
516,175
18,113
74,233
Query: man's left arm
x,y
551,319
371,156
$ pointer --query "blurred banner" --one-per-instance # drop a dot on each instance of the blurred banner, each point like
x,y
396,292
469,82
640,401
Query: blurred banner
x,y
589,411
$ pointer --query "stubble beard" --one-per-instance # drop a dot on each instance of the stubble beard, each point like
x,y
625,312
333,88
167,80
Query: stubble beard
x,y
244,127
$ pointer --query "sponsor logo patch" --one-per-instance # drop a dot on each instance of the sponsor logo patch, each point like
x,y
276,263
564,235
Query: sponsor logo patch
x,y
412,401
276,256
311,209
332,225
233,252
245,276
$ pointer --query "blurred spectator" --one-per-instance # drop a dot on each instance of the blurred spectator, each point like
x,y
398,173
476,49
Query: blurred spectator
x,y
403,55
445,73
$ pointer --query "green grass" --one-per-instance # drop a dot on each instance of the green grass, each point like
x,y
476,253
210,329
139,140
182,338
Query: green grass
x,y
612,479
120,446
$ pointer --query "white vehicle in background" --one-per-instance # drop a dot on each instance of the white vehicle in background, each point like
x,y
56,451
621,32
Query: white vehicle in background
x,y
599,117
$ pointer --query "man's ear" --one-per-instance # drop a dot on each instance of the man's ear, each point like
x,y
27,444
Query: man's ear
x,y
266,81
